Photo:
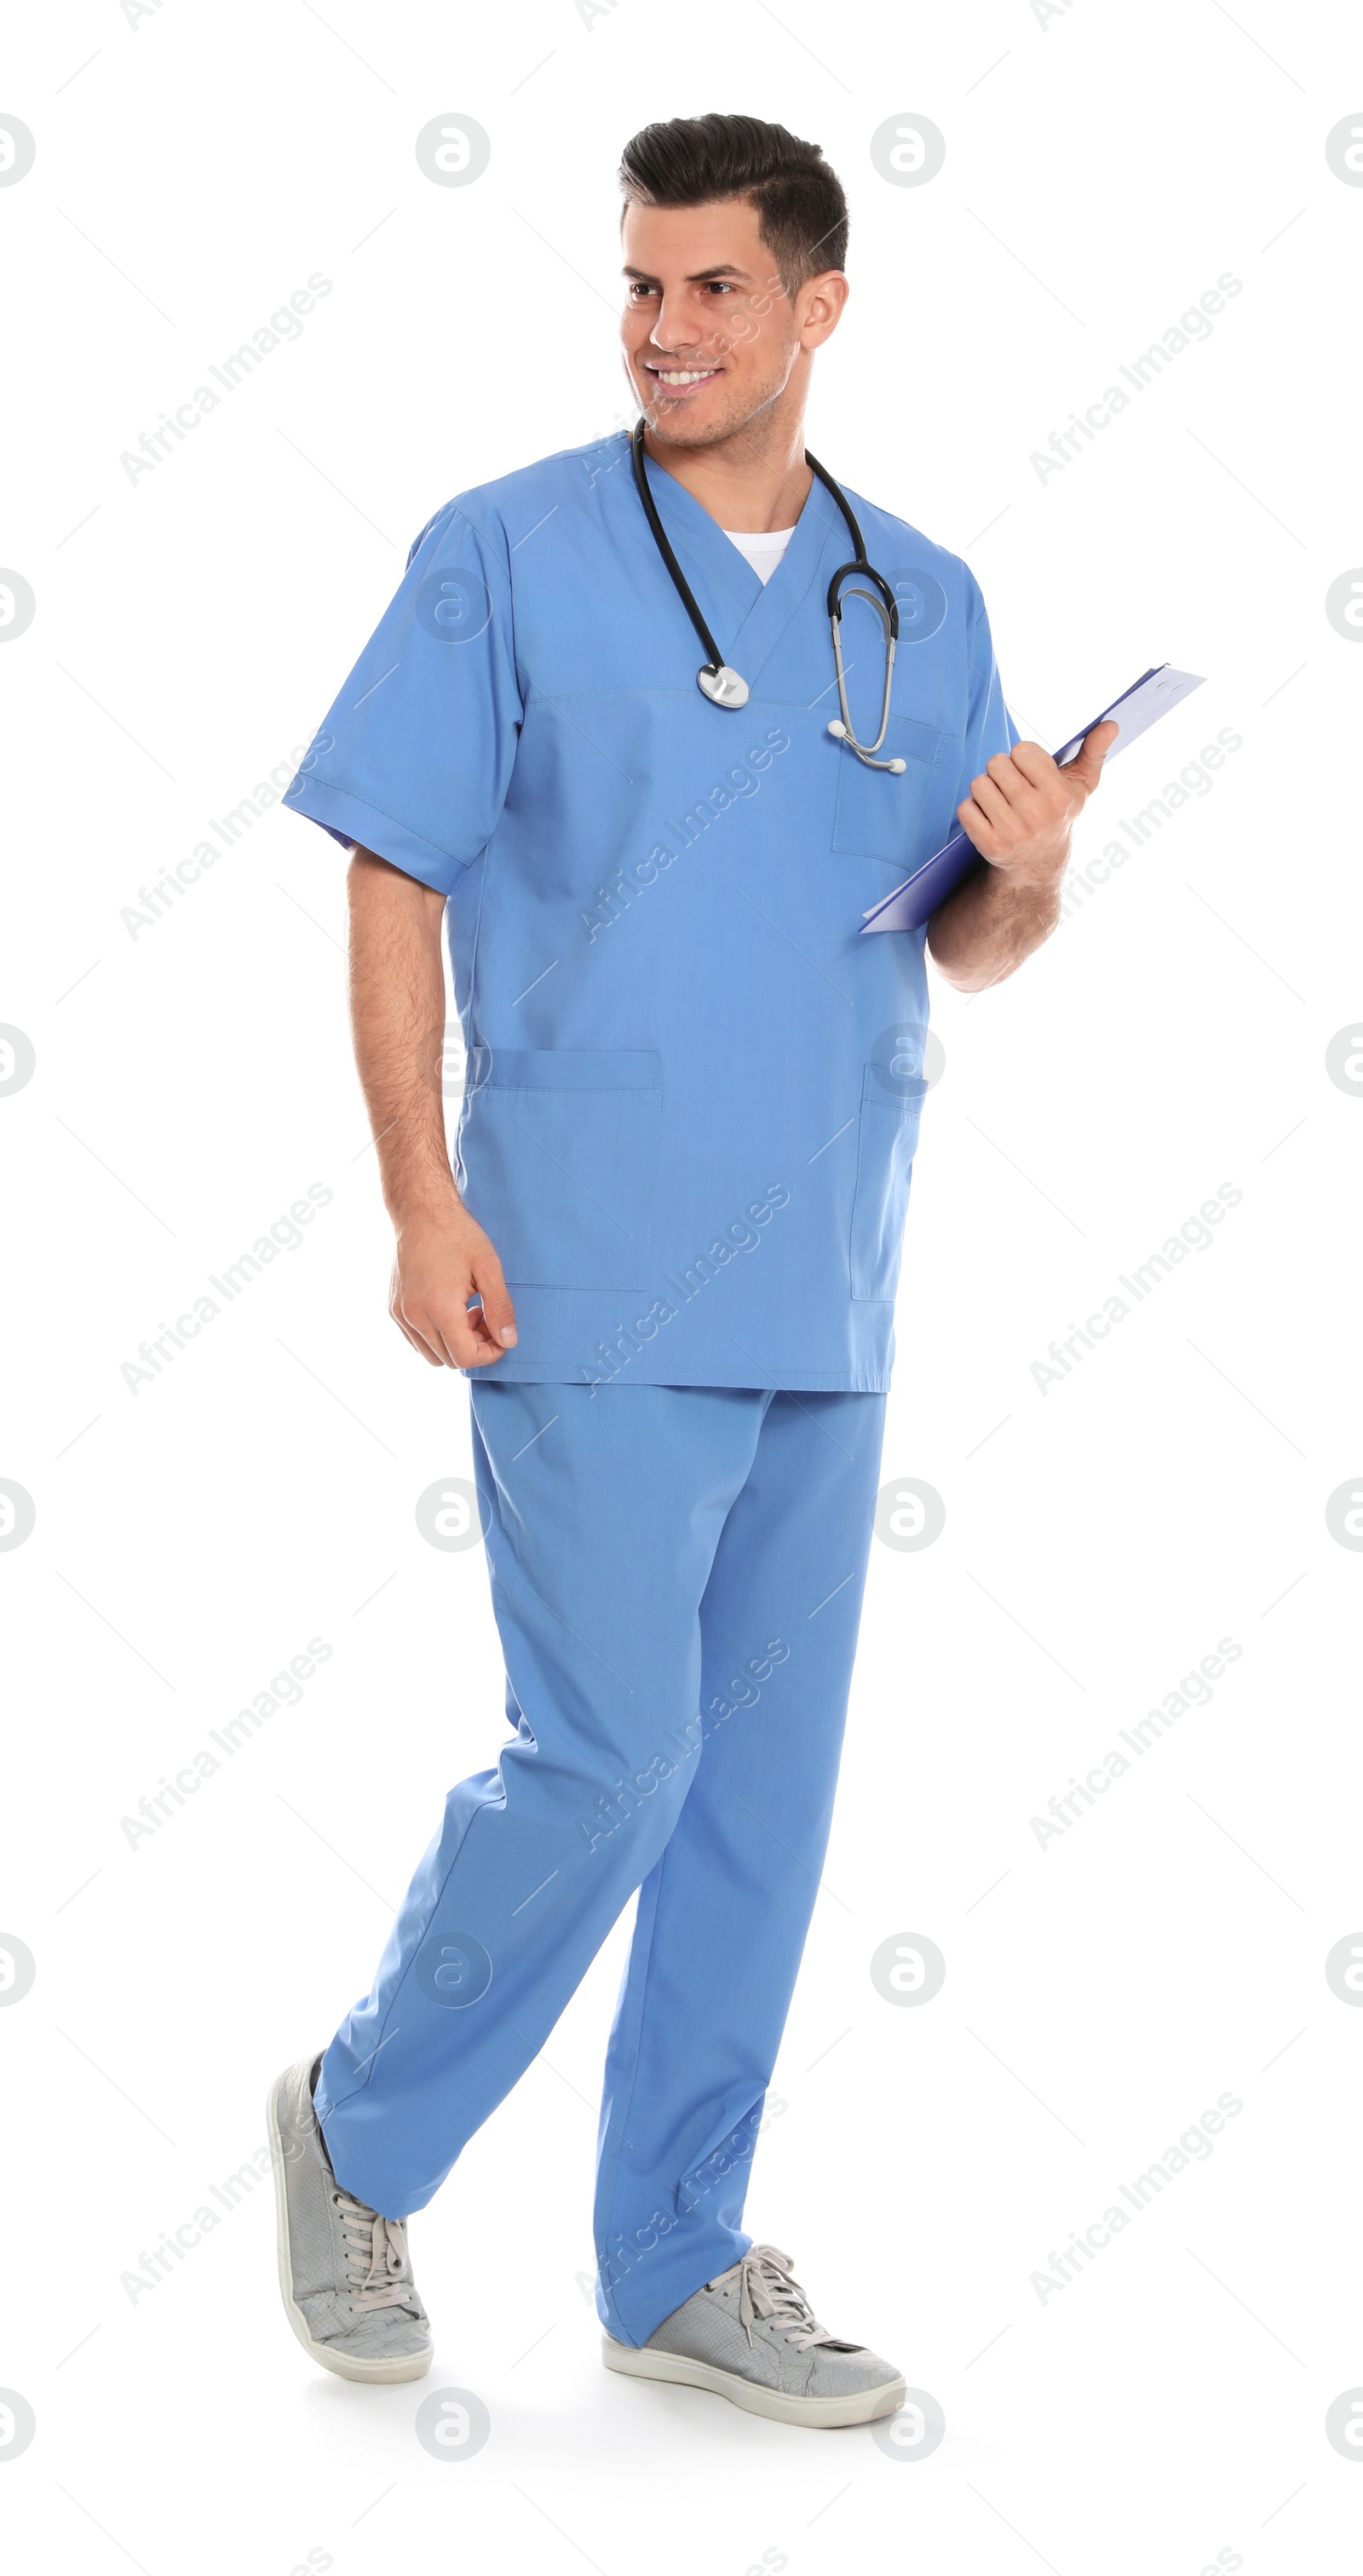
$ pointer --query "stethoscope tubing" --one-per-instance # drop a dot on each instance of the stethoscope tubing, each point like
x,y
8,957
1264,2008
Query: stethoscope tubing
x,y
880,597
663,543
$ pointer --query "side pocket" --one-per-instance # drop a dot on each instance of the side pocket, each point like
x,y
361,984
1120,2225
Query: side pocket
x,y
558,1152
886,1142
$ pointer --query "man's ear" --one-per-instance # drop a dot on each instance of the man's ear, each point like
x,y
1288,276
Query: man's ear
x,y
819,307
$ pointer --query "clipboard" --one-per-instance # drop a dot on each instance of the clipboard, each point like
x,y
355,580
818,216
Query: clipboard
x,y
1156,693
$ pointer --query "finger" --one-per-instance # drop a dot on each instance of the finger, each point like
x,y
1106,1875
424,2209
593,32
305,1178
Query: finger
x,y
466,1338
484,1353
1011,781
1087,766
419,1344
978,828
499,1315
450,1346
441,1331
1036,765
483,1346
992,802
425,1344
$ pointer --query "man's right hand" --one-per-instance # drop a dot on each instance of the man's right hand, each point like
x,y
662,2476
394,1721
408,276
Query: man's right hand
x,y
442,1259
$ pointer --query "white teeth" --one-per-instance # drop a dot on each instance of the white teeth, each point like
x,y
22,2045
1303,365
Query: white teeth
x,y
682,375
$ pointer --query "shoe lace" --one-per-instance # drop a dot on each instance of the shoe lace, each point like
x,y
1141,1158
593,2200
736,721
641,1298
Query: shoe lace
x,y
378,2269
767,2289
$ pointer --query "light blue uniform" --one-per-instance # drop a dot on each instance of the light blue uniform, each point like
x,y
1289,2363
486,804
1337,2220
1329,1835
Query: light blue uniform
x,y
677,1576
678,1130
688,1129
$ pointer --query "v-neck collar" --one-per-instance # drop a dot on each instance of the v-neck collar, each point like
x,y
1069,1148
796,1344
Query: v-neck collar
x,y
746,615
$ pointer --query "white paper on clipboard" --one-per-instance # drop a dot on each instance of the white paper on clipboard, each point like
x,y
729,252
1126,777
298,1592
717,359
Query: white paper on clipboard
x,y
1137,709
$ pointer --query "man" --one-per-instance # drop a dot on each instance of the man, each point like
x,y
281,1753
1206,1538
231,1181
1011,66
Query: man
x,y
670,1264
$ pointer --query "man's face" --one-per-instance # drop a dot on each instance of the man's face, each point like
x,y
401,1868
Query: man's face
x,y
710,336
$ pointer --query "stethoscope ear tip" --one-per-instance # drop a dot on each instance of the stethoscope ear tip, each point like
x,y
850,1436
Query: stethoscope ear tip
x,y
897,766
838,730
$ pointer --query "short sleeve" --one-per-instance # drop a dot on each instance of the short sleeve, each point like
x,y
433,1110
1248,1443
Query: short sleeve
x,y
414,759
989,727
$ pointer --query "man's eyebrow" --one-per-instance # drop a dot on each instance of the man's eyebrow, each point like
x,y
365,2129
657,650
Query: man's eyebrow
x,y
722,268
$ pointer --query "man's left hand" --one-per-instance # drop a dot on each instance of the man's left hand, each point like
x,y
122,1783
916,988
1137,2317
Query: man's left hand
x,y
1021,809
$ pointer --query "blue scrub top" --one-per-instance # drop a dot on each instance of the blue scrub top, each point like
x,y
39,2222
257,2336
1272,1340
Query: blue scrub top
x,y
693,1093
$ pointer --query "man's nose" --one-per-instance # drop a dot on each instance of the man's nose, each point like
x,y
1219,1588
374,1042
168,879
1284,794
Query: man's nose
x,y
678,324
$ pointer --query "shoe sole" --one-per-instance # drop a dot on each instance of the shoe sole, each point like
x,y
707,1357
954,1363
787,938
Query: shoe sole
x,y
863,2406
408,2366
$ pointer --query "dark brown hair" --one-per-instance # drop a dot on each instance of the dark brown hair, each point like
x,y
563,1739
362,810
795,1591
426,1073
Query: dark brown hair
x,y
692,160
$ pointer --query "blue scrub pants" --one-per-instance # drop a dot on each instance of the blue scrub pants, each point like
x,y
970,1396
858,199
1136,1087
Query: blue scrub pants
x,y
677,1576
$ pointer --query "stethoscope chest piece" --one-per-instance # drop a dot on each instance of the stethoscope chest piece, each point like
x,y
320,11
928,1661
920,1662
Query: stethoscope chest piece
x,y
722,686
725,687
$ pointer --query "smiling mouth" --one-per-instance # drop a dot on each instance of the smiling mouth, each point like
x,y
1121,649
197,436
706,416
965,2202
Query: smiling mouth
x,y
679,378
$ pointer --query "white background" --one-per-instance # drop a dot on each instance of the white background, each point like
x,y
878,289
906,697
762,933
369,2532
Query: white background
x,y
1165,2411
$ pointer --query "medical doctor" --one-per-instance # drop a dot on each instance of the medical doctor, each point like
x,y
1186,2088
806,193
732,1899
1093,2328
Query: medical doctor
x,y
668,1253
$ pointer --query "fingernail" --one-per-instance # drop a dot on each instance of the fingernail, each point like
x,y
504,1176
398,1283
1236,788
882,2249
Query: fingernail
x,y
507,1334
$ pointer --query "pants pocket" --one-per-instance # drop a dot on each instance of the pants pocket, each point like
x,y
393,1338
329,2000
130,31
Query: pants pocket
x,y
558,1152
886,1140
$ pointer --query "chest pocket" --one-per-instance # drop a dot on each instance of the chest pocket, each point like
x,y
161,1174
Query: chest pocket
x,y
904,818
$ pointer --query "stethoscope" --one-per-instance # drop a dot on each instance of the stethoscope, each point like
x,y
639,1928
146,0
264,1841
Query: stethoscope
x,y
724,686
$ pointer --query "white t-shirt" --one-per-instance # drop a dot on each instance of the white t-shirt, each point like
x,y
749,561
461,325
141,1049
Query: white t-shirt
x,y
763,550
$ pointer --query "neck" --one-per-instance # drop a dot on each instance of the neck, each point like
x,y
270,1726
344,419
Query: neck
x,y
755,480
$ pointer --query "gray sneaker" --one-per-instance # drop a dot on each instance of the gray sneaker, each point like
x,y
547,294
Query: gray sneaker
x,y
752,2336
344,2271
